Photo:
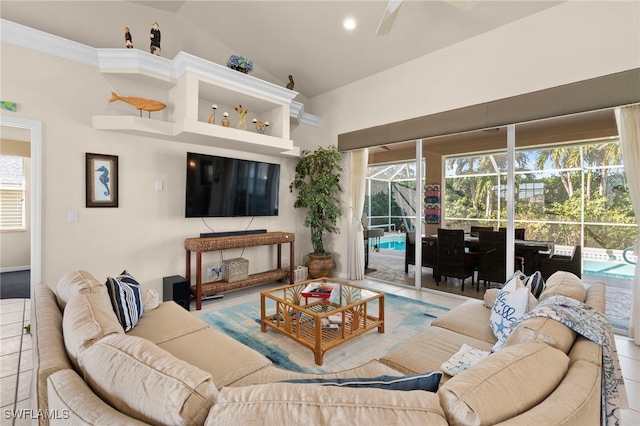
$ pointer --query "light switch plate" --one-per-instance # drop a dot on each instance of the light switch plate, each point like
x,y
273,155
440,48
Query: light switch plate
x,y
73,217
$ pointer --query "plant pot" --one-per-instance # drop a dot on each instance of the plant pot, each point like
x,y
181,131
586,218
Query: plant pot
x,y
320,266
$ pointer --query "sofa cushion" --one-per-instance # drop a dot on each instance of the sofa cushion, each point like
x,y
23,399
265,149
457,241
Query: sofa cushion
x,y
294,404
226,359
470,319
428,350
49,353
78,282
545,330
490,297
510,305
503,384
425,382
145,382
565,284
167,322
74,403
597,297
126,298
87,319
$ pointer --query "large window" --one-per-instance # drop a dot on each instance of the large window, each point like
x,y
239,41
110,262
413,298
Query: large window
x,y
12,193
572,194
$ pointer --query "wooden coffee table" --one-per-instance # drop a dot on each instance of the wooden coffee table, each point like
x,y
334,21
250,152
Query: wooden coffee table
x,y
321,323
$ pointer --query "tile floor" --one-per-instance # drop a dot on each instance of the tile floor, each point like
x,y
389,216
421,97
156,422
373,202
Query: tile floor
x,y
16,361
16,355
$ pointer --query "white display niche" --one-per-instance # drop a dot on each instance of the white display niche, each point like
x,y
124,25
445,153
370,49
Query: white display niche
x,y
193,86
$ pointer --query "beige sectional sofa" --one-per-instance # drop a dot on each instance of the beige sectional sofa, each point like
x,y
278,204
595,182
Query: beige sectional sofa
x,y
172,368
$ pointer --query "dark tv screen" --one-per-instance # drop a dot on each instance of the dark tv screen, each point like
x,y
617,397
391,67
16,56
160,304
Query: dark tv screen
x,y
229,187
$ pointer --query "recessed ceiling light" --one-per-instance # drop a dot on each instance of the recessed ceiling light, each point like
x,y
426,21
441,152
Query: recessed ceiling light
x,y
349,23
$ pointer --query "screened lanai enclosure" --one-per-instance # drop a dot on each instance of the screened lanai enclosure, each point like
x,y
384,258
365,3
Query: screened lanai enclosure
x,y
391,203
570,194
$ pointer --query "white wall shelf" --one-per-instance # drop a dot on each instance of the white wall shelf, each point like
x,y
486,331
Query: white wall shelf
x,y
197,132
193,85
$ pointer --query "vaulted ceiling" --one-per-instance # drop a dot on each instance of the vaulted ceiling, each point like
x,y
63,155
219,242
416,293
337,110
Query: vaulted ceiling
x,y
303,38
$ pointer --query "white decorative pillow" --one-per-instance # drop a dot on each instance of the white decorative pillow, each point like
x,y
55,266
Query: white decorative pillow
x,y
150,299
462,360
126,299
510,305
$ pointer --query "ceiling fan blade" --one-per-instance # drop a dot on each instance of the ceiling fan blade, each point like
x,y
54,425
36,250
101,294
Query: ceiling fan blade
x,y
465,5
389,17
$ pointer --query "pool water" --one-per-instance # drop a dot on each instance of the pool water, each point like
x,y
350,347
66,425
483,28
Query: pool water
x,y
620,270
393,245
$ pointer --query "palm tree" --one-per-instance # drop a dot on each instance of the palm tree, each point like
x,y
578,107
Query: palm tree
x,y
561,159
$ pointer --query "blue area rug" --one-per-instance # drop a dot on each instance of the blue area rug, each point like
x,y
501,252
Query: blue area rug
x,y
404,318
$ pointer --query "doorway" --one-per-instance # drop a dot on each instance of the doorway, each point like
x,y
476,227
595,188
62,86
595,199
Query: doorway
x,y
33,131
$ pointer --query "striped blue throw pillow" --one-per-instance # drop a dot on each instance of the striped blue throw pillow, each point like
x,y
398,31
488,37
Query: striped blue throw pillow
x,y
426,382
126,299
535,283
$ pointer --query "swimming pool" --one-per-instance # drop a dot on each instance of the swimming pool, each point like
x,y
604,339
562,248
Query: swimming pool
x,y
391,242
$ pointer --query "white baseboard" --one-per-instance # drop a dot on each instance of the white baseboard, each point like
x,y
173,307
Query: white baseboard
x,y
15,268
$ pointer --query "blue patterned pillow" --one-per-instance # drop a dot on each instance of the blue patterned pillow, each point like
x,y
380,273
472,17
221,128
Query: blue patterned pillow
x,y
426,382
126,298
535,283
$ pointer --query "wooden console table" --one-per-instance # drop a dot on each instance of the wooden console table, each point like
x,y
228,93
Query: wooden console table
x,y
201,245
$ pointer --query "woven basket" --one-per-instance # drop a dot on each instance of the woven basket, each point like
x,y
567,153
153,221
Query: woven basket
x,y
235,269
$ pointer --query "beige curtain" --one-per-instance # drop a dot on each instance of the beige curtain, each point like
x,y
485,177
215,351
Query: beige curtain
x,y
358,174
628,119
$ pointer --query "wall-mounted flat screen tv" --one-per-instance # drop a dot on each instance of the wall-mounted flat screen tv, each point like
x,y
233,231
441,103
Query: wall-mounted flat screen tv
x,y
229,187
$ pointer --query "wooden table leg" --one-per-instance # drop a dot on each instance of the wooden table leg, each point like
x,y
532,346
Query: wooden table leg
x,y
198,281
291,262
188,263
318,348
263,318
381,313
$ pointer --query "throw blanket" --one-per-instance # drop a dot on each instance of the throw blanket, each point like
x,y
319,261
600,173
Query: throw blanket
x,y
593,325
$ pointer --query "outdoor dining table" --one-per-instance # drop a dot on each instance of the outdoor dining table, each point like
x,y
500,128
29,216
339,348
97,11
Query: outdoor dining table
x,y
531,250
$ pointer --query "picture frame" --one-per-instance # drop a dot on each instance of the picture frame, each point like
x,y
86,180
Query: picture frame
x,y
101,180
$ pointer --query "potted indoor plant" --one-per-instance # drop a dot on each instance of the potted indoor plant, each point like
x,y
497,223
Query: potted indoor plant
x,y
317,182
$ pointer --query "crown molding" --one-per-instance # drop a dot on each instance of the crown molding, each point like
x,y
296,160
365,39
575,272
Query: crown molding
x,y
297,111
135,61
50,44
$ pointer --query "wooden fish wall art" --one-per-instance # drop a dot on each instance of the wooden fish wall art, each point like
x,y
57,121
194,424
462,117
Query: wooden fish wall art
x,y
141,104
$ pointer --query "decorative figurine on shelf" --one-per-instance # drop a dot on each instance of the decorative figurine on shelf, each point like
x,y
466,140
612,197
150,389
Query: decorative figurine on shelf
x,y
127,38
155,39
261,126
141,104
242,117
225,120
291,83
212,117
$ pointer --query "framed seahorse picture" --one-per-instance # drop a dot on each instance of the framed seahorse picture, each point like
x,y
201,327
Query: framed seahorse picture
x,y
102,180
